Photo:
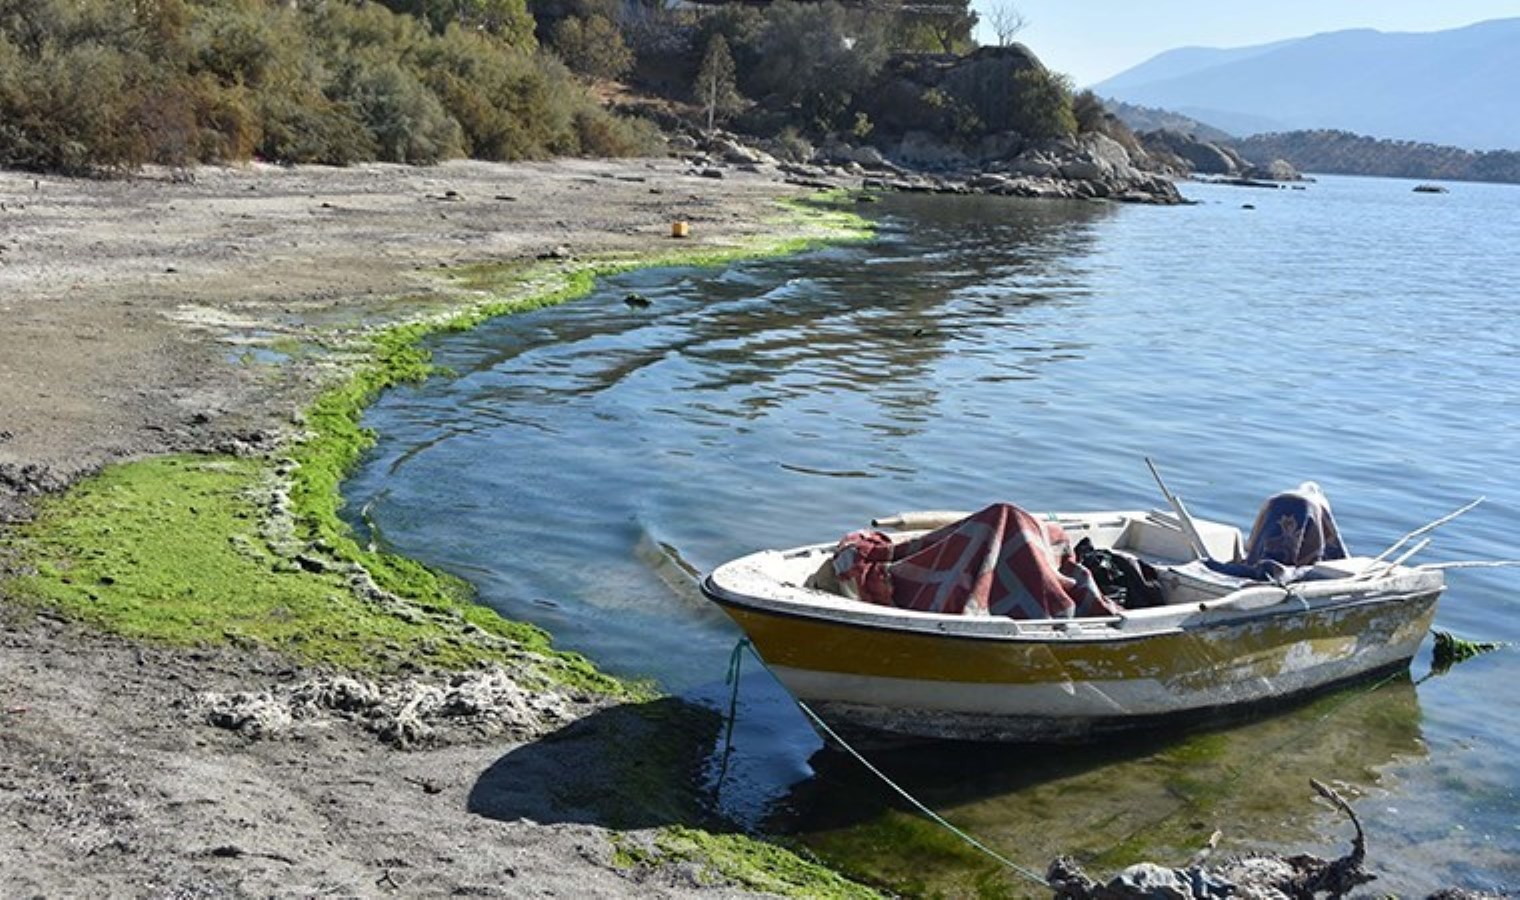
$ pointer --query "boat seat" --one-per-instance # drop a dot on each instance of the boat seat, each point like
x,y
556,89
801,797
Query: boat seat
x,y
1195,582
1158,538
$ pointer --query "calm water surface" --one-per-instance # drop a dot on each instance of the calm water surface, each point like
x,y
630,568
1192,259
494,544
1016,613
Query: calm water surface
x,y
990,349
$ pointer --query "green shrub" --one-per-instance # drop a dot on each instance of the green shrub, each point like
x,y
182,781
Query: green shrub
x,y
941,27
601,133
241,46
90,85
592,46
71,112
229,128
741,27
405,119
306,127
507,20
549,13
1041,104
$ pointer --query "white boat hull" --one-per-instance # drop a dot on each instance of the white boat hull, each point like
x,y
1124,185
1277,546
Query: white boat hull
x,y
900,672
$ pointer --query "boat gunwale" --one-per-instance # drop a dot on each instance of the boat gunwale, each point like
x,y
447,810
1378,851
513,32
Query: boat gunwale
x,y
1189,617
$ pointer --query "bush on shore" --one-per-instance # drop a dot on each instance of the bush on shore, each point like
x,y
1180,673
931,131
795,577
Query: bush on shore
x,y
98,85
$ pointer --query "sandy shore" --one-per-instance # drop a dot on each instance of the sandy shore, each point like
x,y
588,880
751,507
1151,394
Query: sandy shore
x,y
139,317
126,303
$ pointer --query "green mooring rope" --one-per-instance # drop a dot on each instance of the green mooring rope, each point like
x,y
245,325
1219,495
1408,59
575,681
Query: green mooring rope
x,y
735,662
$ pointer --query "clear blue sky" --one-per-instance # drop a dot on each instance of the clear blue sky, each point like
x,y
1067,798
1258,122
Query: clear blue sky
x,y
1093,39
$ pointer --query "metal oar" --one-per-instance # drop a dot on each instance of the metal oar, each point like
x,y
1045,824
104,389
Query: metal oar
x,y
1374,570
1189,529
1422,530
1471,564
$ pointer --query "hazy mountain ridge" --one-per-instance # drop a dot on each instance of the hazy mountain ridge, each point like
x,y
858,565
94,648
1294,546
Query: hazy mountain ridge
x,y
1181,62
1456,87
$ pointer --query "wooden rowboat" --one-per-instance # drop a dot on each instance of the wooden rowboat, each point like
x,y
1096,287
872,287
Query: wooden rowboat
x,y
1218,644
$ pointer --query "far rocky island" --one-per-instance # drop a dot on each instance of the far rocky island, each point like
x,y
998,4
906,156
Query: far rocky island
x,y
1211,151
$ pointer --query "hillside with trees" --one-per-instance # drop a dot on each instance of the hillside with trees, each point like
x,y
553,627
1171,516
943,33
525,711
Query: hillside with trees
x,y
89,85
100,85
1344,153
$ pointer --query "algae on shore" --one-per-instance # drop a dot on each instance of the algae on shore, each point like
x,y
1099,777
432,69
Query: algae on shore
x,y
208,549
213,549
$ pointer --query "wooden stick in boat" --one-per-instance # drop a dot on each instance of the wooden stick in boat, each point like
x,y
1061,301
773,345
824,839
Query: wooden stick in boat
x,y
1423,529
1189,529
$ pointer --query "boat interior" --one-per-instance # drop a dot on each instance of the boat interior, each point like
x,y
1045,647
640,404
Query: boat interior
x,y
1153,536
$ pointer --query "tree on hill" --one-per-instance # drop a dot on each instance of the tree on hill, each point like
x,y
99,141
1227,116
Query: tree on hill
x,y
815,58
592,46
1006,22
716,85
506,19
937,26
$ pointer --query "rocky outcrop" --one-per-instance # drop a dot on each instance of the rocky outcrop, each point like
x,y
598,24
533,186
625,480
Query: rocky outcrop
x,y
1184,154
934,93
1090,167
1277,170
949,123
1201,157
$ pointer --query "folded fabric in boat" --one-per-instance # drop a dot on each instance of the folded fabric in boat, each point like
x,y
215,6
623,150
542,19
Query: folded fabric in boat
x,y
1295,528
1293,532
1000,561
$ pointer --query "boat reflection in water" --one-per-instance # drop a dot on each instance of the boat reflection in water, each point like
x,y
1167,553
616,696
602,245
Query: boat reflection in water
x,y
1156,797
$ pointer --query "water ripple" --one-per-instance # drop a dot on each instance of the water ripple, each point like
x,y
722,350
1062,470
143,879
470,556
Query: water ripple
x,y
984,349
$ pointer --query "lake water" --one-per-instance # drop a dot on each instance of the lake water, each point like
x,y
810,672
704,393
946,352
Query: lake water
x,y
983,349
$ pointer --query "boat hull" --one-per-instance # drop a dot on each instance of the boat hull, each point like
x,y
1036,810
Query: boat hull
x,y
1052,686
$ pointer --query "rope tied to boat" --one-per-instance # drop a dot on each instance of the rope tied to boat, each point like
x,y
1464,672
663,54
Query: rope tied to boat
x,y
735,665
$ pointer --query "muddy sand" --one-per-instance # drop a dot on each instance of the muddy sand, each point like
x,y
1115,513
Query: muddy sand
x,y
137,319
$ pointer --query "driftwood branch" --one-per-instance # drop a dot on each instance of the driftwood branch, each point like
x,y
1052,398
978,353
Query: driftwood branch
x,y
1301,877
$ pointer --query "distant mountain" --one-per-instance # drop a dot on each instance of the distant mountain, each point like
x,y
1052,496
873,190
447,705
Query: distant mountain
x,y
1458,87
1181,63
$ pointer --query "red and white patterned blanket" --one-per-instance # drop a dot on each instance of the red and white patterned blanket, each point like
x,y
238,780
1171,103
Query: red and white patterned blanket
x,y
1001,561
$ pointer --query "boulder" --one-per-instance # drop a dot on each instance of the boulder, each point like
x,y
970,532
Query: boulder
x,y
1202,157
1085,169
1239,162
987,181
1003,145
922,150
734,153
871,158
1109,154
793,148
838,152
1034,164
1278,170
